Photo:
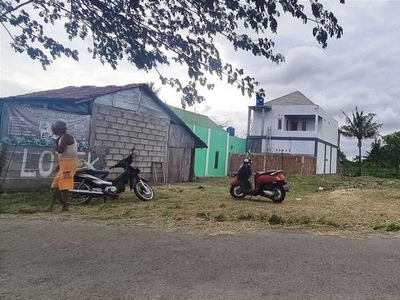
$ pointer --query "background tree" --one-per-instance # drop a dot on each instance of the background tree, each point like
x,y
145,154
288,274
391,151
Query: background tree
x,y
377,153
360,126
392,148
342,157
153,33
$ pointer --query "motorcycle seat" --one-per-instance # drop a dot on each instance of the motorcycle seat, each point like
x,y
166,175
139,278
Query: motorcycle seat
x,y
98,173
269,172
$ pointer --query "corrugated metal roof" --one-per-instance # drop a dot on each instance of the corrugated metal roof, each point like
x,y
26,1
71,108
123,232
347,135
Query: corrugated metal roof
x,y
295,98
75,92
196,119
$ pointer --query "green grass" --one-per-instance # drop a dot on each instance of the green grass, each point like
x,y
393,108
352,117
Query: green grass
x,y
330,204
392,227
369,169
24,202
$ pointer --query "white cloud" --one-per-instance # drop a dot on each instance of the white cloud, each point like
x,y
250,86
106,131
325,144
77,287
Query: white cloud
x,y
360,69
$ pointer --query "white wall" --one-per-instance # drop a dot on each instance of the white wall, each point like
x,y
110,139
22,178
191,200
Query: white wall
x,y
289,146
330,127
326,159
280,111
320,158
334,161
326,130
256,126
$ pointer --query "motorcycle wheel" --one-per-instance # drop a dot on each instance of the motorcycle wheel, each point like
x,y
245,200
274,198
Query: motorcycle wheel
x,y
280,194
236,192
143,191
77,198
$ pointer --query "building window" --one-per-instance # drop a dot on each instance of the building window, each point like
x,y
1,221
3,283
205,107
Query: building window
x,y
216,159
303,126
279,124
293,126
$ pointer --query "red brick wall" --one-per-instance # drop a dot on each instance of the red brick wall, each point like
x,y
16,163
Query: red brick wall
x,y
289,163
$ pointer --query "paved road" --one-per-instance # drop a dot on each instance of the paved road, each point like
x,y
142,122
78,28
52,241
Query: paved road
x,y
79,260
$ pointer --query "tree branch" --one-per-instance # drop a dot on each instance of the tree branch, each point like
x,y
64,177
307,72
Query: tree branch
x,y
15,8
11,36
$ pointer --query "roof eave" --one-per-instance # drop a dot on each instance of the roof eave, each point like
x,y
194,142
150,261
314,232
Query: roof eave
x,y
258,107
16,98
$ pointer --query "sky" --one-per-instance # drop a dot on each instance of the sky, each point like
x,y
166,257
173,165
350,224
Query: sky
x,y
361,69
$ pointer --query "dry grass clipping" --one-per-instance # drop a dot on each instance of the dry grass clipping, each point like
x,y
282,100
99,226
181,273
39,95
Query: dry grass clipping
x,y
344,206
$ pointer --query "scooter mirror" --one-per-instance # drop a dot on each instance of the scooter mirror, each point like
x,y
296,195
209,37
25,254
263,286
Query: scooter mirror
x,y
133,149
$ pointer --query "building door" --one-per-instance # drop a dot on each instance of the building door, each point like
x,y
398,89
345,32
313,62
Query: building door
x,y
180,164
175,164
328,151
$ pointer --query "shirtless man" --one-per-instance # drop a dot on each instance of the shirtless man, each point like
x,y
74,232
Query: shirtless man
x,y
63,182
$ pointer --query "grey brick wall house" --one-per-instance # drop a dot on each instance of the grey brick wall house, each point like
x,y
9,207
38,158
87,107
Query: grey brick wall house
x,y
107,122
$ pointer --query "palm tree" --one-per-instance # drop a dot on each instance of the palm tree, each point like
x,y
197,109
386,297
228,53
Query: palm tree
x,y
360,126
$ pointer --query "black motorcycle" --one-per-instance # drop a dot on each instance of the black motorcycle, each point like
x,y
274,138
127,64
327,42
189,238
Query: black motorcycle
x,y
90,183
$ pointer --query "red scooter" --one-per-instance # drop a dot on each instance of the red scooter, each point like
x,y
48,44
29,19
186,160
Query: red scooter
x,y
271,184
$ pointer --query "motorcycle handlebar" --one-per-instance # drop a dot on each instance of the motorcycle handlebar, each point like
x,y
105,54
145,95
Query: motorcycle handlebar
x,y
124,162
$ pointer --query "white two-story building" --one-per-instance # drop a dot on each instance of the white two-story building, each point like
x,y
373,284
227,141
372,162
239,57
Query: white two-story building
x,y
294,124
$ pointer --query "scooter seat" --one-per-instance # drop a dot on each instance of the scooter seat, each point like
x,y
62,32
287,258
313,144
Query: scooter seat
x,y
98,173
269,172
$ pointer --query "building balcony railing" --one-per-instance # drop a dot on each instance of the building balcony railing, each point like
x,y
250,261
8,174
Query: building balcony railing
x,y
283,133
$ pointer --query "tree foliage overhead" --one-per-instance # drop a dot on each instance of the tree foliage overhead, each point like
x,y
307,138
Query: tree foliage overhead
x,y
360,126
153,33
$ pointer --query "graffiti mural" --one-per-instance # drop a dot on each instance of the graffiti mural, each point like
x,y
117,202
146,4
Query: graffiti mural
x,y
47,161
26,167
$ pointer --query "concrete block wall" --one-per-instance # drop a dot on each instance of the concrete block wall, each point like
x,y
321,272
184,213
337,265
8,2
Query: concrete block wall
x,y
120,130
114,132
290,164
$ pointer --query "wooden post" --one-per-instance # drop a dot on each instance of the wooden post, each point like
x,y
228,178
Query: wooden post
x,y
153,164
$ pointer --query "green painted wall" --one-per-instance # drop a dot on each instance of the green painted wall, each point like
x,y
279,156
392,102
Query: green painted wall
x,y
200,154
216,138
217,153
237,145
218,141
